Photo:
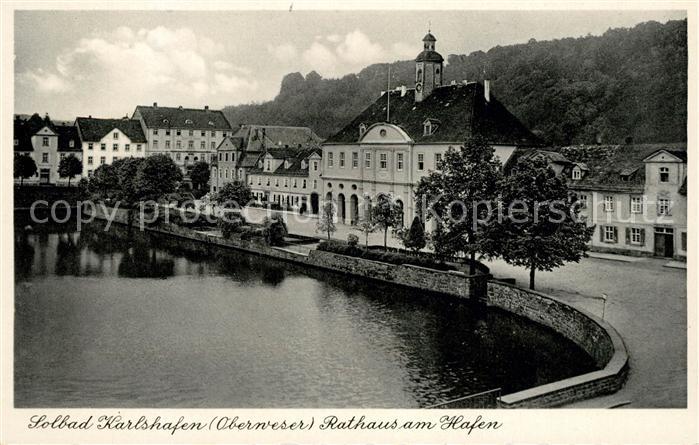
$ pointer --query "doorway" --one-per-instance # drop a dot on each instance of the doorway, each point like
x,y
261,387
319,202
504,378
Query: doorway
x,y
664,242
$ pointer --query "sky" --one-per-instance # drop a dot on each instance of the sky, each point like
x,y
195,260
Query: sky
x,y
104,63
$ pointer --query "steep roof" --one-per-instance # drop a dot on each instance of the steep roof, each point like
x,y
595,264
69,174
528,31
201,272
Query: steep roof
x,y
178,117
66,135
616,167
461,110
259,137
295,158
92,129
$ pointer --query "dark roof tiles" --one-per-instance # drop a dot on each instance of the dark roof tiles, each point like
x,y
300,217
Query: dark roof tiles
x,y
93,130
177,117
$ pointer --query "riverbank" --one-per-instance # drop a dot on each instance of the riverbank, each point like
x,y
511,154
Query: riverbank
x,y
595,336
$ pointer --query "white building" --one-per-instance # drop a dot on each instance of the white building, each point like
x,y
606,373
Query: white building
x,y
106,140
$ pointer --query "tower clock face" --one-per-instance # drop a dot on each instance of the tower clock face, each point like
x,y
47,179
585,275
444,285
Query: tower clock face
x,y
418,87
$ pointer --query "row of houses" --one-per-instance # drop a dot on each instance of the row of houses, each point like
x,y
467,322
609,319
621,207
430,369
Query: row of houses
x,y
635,195
187,135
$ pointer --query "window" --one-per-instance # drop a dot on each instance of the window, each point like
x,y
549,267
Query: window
x,y
89,160
259,181
399,161
315,184
167,132
71,143
115,147
636,236
609,234
427,128
63,155
223,133
367,159
303,184
437,159
355,159
213,133
155,132
267,182
44,157
294,183
167,145
127,147
202,145
203,133
276,182
383,161
330,159
268,165
89,173
45,141
582,199
608,203
190,145
342,159
636,204
191,132
213,145
103,160
683,240
178,156
664,206
420,161
155,144
664,174
315,166
178,132
138,147
225,157
90,146
115,158
115,135
233,160
577,173
286,182
178,145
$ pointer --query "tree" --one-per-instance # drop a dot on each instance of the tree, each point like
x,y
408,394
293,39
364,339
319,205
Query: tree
x,y
200,175
24,167
540,228
366,226
157,175
326,219
126,171
461,195
275,230
104,182
386,214
415,238
69,167
234,194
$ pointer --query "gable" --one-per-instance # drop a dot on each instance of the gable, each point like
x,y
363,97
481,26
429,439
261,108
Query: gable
x,y
663,156
46,131
384,134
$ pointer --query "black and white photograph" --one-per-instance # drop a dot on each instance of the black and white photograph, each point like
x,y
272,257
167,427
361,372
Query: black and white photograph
x,y
295,208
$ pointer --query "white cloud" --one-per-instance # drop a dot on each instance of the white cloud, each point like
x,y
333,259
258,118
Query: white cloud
x,y
44,82
128,67
341,55
284,53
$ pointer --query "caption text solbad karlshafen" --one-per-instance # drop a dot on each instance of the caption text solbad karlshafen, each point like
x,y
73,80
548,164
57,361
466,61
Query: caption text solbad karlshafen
x,y
117,422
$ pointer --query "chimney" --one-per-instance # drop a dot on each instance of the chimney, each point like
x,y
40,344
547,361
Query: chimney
x,y
486,90
89,117
155,104
465,82
403,90
180,107
453,82
206,107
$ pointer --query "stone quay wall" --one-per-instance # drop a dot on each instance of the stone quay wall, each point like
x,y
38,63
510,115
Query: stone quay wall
x,y
594,335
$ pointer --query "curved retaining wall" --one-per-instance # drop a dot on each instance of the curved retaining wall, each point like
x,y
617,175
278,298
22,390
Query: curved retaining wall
x,y
594,335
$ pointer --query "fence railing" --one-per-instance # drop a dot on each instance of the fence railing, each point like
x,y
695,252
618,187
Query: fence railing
x,y
485,399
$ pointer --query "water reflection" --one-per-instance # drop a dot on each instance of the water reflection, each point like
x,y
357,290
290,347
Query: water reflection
x,y
129,319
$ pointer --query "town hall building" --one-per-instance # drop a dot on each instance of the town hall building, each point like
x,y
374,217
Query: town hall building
x,y
402,136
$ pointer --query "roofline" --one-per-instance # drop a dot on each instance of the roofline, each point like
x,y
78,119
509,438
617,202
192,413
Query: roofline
x,y
663,150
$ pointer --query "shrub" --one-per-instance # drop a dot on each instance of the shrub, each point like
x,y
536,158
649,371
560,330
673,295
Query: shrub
x,y
228,226
390,257
352,239
275,230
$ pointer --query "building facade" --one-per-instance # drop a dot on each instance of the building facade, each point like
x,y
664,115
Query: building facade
x,y
239,153
402,136
46,143
187,135
103,141
289,178
634,195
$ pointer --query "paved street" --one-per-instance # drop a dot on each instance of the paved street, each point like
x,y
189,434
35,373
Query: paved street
x,y
646,303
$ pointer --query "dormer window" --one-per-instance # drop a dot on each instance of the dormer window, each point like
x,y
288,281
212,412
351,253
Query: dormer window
x,y
362,129
268,166
303,164
577,173
188,122
71,143
16,142
211,124
429,127
287,164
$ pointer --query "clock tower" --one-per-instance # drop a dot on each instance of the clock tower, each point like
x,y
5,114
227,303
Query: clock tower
x,y
428,69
